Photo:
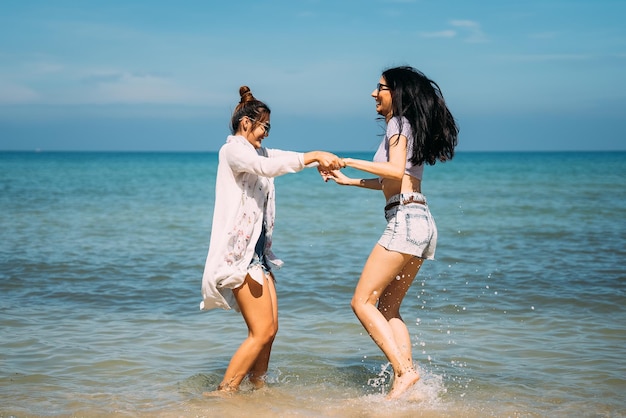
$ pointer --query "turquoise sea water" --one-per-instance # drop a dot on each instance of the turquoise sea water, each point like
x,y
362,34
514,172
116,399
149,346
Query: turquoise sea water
x,y
522,314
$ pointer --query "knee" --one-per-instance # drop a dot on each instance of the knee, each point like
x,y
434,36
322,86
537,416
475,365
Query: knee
x,y
267,335
354,304
274,331
358,304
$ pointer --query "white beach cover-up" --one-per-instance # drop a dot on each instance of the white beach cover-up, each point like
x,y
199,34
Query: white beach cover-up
x,y
244,198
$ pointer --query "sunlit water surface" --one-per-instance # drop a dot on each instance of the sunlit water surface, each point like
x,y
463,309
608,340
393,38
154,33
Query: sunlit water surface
x,y
522,314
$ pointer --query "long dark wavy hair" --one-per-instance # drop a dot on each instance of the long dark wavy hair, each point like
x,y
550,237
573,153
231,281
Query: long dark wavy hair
x,y
419,99
251,107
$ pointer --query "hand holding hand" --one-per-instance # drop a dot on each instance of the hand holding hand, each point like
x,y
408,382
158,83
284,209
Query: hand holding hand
x,y
328,161
336,175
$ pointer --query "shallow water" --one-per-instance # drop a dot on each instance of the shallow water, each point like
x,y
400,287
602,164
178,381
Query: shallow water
x,y
522,313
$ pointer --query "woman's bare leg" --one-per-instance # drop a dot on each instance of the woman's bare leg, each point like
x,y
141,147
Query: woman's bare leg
x,y
257,304
382,267
259,368
389,305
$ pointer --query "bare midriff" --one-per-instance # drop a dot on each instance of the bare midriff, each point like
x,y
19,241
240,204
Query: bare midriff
x,y
408,184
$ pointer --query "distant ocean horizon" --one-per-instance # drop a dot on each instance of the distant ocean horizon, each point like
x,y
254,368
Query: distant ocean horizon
x,y
361,152
521,314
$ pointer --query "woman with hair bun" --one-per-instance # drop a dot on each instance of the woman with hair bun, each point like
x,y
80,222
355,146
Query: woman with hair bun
x,y
238,273
420,130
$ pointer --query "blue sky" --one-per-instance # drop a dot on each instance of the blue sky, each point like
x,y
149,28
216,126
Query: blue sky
x,y
153,75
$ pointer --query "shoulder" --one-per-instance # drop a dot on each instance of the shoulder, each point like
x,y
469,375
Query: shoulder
x,y
399,125
236,145
396,124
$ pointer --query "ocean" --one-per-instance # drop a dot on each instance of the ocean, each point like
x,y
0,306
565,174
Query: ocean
x,y
521,314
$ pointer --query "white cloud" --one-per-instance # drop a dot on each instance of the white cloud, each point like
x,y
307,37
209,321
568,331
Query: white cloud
x,y
16,94
440,34
68,85
472,28
130,88
468,30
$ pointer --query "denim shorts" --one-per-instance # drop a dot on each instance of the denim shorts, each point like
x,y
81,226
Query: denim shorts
x,y
410,228
258,257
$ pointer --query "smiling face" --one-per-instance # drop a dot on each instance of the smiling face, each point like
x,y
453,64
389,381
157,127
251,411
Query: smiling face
x,y
382,95
254,131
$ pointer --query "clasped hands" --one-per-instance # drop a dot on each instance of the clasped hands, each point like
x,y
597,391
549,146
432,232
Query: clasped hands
x,y
329,168
328,162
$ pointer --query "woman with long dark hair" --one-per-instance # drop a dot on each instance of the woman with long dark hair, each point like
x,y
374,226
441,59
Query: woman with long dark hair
x,y
420,131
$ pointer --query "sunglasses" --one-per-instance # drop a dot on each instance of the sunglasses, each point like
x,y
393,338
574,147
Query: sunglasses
x,y
381,87
266,125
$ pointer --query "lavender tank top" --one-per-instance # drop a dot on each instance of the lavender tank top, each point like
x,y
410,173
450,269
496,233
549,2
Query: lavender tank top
x,y
382,154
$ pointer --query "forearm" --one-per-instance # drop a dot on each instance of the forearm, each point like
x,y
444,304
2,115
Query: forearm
x,y
323,159
310,159
384,169
373,184
313,158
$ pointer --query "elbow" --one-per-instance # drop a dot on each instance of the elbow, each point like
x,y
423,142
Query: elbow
x,y
396,175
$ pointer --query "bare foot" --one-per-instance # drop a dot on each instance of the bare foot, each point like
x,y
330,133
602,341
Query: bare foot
x,y
402,383
222,391
257,383
218,394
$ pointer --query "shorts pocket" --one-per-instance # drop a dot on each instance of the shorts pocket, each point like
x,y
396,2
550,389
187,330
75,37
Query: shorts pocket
x,y
418,228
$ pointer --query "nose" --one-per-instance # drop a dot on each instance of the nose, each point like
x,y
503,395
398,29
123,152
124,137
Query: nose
x,y
375,93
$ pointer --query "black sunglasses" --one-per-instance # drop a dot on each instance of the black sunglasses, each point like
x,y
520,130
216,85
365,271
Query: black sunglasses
x,y
266,125
381,87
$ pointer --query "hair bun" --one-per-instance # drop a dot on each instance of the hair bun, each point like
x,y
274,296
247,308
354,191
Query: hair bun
x,y
246,94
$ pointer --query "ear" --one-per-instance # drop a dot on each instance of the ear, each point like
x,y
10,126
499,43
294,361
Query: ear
x,y
245,123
